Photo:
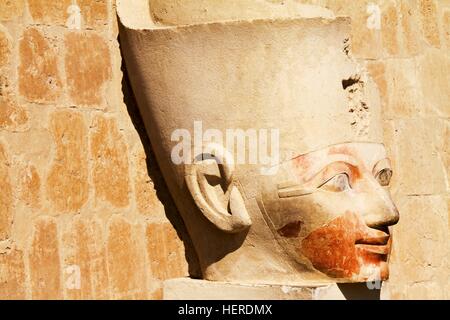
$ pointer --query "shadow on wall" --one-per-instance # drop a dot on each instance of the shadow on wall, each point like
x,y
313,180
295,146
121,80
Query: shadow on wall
x,y
154,173
359,291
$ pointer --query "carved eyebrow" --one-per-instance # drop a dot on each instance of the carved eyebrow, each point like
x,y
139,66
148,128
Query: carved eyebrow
x,y
316,169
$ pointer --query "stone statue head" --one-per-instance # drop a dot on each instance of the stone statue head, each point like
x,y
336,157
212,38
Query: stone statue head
x,y
269,137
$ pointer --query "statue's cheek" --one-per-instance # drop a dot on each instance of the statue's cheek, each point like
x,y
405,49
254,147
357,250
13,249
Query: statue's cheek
x,y
333,251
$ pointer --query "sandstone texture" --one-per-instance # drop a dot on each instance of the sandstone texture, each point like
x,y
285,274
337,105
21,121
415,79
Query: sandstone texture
x,y
80,213
88,67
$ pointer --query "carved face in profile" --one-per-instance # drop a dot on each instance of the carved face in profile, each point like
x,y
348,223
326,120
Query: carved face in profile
x,y
323,216
331,210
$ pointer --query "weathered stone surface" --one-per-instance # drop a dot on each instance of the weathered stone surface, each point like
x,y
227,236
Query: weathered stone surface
x,y
446,26
434,77
445,155
126,267
5,86
399,21
85,253
110,169
430,22
377,71
39,79
404,97
389,28
10,9
146,199
185,289
5,46
88,67
410,20
48,11
12,276
187,12
413,149
366,42
93,13
448,213
165,251
67,183
31,187
6,200
418,261
44,260
12,116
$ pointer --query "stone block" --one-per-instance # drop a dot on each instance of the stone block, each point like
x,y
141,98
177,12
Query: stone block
x,y
165,251
404,98
31,187
126,265
414,146
429,19
110,169
48,11
410,20
5,46
11,9
12,276
147,200
420,249
67,182
44,260
85,268
446,27
88,67
377,71
93,14
12,116
6,196
367,42
445,153
434,77
390,28
39,79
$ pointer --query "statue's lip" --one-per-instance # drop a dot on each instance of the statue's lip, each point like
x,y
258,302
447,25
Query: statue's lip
x,y
381,238
379,249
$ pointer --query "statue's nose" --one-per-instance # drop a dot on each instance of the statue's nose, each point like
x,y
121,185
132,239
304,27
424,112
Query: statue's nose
x,y
381,210
383,218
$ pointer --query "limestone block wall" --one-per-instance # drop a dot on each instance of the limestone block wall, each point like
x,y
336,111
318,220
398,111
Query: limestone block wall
x,y
84,212
80,217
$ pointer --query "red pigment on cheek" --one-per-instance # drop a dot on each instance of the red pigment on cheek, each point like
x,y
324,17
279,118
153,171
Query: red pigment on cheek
x,y
331,248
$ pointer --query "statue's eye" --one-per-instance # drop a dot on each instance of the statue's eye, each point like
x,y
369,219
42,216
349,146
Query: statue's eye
x,y
384,177
338,183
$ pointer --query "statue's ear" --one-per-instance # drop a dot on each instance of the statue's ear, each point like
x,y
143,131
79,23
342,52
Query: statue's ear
x,y
210,181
